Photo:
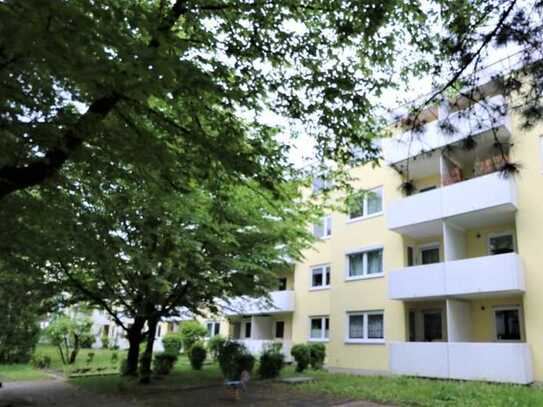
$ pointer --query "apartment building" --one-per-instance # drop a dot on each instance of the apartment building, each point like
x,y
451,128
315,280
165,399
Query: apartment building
x,y
445,282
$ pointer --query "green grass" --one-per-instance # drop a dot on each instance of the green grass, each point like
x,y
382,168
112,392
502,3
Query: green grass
x,y
408,391
102,359
11,373
182,375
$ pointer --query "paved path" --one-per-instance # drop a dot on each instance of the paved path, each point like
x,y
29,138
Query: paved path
x,y
59,393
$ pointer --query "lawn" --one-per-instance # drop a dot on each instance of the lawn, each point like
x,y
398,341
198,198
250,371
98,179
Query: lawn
x,y
11,373
408,391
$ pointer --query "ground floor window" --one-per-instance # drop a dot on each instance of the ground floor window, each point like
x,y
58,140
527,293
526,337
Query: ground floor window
x,y
248,327
365,326
320,328
213,328
508,324
426,325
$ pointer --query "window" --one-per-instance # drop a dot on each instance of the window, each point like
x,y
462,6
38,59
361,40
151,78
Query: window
x,y
501,243
279,329
324,228
319,328
507,324
237,330
370,204
410,256
282,284
367,326
365,263
320,277
320,183
429,254
433,326
213,328
248,327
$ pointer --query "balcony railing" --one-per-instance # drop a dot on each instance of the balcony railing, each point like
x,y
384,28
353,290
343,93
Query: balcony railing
x,y
475,120
485,192
279,302
486,361
502,273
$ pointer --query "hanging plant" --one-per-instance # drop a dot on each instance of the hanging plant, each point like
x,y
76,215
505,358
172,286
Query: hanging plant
x,y
509,169
407,187
469,143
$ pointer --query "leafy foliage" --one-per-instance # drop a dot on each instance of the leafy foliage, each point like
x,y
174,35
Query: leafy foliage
x,y
317,352
172,342
271,362
192,332
197,355
234,358
302,355
163,363
40,360
215,344
67,333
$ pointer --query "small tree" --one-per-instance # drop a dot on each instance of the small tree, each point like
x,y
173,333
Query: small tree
x,y
191,333
67,334
172,342
215,344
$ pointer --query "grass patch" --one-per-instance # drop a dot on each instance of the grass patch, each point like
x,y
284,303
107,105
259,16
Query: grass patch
x,y
18,372
102,359
408,391
182,375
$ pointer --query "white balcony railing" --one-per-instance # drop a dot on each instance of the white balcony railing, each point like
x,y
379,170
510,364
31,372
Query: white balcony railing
x,y
486,361
473,121
279,302
257,346
502,273
476,194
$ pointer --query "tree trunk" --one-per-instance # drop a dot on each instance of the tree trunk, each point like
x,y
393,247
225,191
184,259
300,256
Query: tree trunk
x,y
135,337
75,350
145,368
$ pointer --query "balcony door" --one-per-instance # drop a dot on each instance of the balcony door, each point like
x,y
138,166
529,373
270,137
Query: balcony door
x,y
426,325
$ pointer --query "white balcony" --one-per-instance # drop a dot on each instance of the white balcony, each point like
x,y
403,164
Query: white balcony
x,y
476,120
486,361
279,302
498,274
476,202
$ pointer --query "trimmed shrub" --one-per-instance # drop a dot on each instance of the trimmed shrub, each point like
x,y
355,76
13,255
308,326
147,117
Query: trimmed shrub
x,y
317,354
271,363
191,333
87,341
234,358
90,357
114,358
302,355
163,363
123,367
105,341
197,356
215,344
172,342
40,361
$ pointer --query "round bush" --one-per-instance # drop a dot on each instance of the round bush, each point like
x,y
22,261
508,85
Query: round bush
x,y
172,342
271,363
163,363
302,355
192,332
197,356
317,355
234,358
40,361
215,344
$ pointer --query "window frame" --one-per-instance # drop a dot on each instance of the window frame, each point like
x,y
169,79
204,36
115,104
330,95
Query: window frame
x,y
326,268
323,337
364,339
245,325
364,251
214,323
275,329
516,307
428,246
327,225
365,207
500,234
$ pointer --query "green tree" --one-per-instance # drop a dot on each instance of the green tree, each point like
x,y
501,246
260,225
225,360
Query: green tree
x,y
67,333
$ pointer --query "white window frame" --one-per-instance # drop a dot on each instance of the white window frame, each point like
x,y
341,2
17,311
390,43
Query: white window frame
x,y
323,337
325,268
515,307
365,207
365,338
428,246
365,275
500,234
325,183
327,225
541,154
213,323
